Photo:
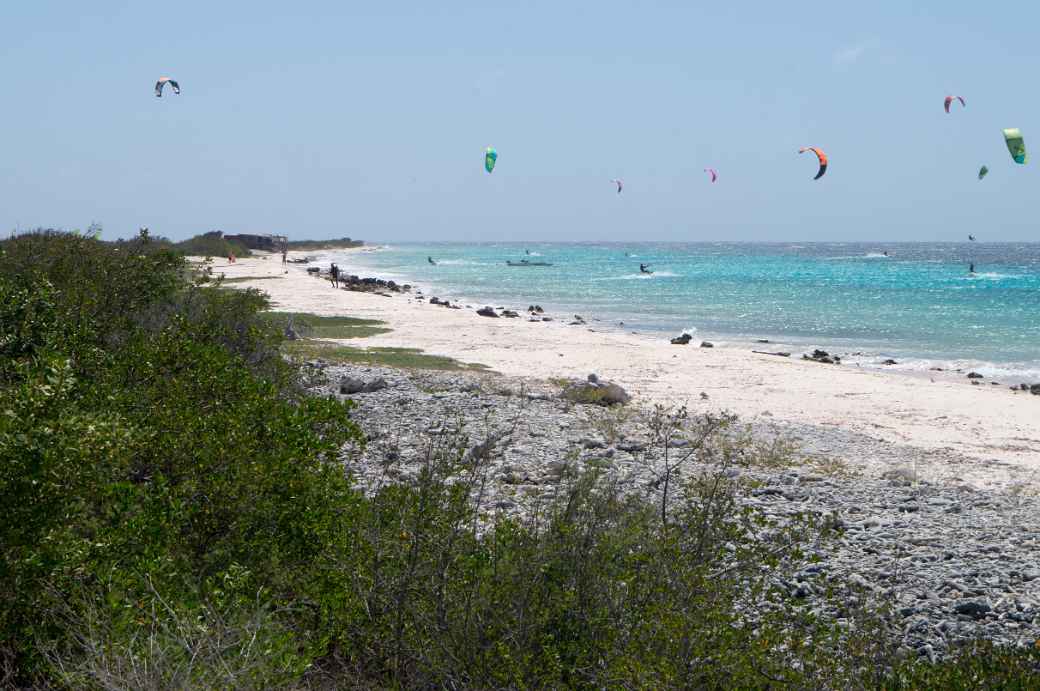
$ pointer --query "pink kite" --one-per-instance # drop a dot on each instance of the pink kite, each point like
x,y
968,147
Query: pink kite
x,y
949,100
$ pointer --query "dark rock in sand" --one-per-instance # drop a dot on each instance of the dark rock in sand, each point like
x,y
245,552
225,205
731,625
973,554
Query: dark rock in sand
x,y
487,312
822,356
596,393
435,300
1035,389
682,340
593,379
761,340
974,375
510,313
976,609
889,362
352,385
546,319
707,344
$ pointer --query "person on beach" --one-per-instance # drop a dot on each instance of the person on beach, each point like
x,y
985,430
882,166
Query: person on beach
x,y
334,273
231,258
285,253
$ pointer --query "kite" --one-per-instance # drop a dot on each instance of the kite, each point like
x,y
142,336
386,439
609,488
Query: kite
x,y
950,99
821,156
1015,144
983,171
162,82
490,156
972,238
712,172
619,184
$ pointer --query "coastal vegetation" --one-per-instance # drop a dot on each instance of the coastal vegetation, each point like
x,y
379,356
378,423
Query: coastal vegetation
x,y
212,244
308,325
410,358
179,514
314,245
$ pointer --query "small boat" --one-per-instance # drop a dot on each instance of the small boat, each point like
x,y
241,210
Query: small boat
x,y
524,262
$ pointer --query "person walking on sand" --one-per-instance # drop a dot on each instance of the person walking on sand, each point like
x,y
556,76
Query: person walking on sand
x,y
334,273
285,259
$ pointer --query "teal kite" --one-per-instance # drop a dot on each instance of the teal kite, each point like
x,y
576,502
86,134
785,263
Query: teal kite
x,y
982,172
1015,144
490,156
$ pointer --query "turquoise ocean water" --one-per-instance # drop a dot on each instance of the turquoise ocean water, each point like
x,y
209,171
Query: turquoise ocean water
x,y
918,305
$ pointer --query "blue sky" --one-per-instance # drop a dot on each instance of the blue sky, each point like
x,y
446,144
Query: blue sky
x,y
324,119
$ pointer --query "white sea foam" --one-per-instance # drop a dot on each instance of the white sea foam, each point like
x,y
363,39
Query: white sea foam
x,y
638,277
461,262
1006,373
987,276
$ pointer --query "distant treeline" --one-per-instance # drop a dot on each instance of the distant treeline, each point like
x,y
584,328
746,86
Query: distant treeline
x,y
215,244
324,244
211,244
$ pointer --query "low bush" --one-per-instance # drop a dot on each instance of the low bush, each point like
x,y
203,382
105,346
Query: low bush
x,y
152,439
212,244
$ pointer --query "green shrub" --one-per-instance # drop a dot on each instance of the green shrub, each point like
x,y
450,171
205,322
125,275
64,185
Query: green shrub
x,y
979,665
150,433
212,244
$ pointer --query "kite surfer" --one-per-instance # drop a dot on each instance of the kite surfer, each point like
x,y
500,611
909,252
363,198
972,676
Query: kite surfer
x,y
645,269
430,259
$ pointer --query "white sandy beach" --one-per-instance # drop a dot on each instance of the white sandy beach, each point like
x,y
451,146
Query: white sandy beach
x,y
990,435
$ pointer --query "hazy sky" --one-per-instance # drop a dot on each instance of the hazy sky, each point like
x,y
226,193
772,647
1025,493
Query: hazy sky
x,y
324,119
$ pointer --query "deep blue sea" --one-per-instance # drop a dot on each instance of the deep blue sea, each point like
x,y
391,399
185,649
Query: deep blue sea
x,y
918,305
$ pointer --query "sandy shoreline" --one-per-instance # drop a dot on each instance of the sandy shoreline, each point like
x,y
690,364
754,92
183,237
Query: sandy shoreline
x,y
985,436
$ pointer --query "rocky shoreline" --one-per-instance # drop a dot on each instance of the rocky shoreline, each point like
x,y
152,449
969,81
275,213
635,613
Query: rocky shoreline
x,y
951,562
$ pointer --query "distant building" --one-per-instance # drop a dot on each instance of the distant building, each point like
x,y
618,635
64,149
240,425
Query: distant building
x,y
269,243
